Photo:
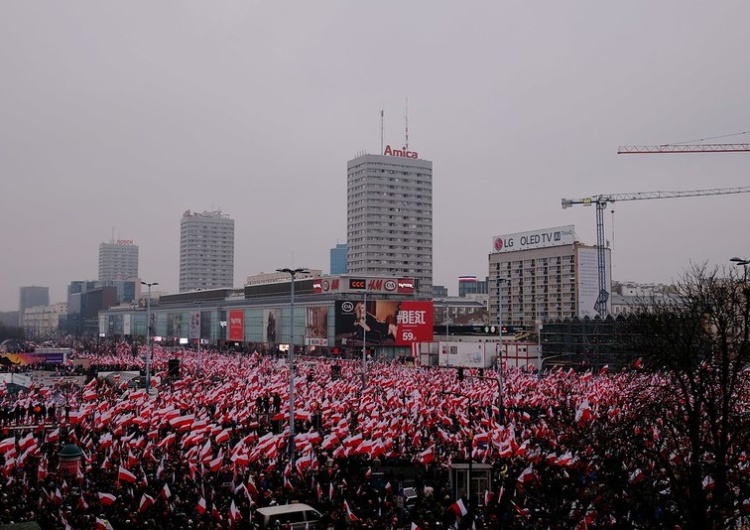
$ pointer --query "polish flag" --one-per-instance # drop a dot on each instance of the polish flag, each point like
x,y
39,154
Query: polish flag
x,y
124,475
146,501
459,508
165,493
103,524
201,508
106,499
234,513
7,444
353,518
222,437
26,441
527,475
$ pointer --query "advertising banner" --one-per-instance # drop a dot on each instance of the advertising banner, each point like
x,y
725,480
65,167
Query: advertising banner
x,y
236,325
547,237
384,323
195,325
316,326
271,325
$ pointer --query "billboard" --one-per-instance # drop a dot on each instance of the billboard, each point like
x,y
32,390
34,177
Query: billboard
x,y
546,237
236,325
271,325
195,325
316,326
126,324
384,323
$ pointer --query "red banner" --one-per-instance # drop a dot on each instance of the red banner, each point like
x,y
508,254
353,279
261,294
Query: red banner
x,y
414,322
237,325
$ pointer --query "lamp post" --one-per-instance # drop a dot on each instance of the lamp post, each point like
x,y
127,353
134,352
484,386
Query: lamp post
x,y
199,323
364,338
470,450
501,404
293,273
148,335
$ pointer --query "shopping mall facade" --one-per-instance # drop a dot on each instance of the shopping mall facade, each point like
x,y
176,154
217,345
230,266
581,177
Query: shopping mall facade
x,y
324,317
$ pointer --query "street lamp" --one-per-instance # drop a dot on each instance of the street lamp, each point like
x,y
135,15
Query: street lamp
x,y
364,338
501,405
199,323
740,261
149,346
293,273
470,450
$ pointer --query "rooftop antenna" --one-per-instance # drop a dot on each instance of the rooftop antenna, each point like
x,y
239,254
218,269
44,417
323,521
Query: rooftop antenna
x,y
112,241
382,127
406,119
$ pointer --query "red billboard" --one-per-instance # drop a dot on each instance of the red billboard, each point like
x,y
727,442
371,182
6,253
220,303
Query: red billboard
x,y
414,321
236,325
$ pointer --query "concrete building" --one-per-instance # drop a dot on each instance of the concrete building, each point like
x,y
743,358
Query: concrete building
x,y
469,285
31,296
206,251
389,216
543,274
338,258
44,322
118,260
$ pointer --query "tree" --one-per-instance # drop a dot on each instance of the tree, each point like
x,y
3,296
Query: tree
x,y
688,423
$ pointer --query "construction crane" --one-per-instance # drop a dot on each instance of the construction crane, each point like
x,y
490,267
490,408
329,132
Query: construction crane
x,y
601,202
688,147
682,148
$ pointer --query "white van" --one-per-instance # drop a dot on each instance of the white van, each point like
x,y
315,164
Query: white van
x,y
301,516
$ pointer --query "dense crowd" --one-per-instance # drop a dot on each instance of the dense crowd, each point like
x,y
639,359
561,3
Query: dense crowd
x,y
210,447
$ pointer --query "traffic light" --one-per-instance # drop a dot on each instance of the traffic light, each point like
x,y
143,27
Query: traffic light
x,y
460,373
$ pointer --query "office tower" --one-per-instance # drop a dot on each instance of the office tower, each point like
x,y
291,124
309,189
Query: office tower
x,y
389,216
206,251
541,275
118,260
338,258
31,296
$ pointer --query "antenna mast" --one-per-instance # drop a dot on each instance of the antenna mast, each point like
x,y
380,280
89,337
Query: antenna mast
x,y
382,129
406,119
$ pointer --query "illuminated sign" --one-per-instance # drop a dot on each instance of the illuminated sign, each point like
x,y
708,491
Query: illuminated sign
x,y
401,153
357,283
548,237
405,286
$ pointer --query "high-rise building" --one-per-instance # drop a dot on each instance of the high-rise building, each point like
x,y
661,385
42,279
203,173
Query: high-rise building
x,y
31,296
338,258
541,275
389,216
206,251
118,260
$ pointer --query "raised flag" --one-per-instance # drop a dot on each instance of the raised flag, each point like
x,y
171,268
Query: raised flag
x,y
106,499
103,524
146,501
459,508
353,518
7,444
165,493
124,475
201,508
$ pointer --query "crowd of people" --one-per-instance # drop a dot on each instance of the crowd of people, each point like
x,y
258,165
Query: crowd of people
x,y
211,445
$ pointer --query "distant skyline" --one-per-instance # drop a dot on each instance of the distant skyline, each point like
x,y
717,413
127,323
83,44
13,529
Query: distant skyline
x,y
125,115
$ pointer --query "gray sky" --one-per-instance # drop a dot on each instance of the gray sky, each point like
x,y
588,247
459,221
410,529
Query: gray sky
x,y
126,114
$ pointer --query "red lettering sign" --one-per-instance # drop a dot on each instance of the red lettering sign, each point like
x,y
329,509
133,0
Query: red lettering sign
x,y
405,286
335,284
415,320
317,286
402,153
236,325
375,285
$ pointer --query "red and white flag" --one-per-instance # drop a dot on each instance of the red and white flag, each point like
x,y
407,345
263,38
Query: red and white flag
x,y
7,444
106,499
201,508
165,493
123,475
459,508
103,524
353,518
146,501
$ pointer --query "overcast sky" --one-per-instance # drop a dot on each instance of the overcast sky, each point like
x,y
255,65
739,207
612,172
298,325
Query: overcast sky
x,y
126,114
